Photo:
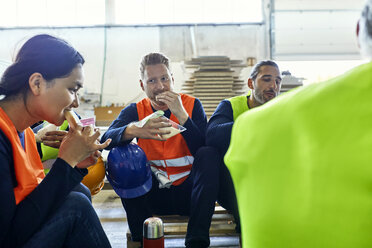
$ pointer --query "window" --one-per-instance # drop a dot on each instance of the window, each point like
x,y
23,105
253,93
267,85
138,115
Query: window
x,y
52,13
15,13
318,71
187,11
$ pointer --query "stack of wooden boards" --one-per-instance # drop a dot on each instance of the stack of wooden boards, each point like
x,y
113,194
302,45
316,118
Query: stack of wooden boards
x,y
213,79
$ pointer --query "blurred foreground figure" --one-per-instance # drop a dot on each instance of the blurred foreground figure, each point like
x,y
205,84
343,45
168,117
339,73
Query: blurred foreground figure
x,y
303,177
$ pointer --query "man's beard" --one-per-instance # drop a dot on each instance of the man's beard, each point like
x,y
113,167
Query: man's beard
x,y
260,96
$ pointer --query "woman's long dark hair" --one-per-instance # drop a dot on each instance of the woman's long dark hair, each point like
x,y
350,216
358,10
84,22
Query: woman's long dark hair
x,y
50,56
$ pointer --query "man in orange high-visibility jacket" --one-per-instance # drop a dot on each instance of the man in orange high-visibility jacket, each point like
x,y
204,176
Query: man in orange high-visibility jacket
x,y
191,185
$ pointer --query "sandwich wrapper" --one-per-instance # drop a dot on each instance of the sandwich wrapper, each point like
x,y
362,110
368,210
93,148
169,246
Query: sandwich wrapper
x,y
174,129
164,181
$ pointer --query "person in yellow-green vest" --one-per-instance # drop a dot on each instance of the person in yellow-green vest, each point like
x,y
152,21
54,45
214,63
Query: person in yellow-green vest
x,y
49,147
264,84
303,177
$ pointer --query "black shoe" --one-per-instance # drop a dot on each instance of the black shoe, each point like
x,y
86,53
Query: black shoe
x,y
197,244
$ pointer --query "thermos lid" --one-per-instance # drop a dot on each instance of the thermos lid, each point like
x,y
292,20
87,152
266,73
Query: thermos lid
x,y
153,228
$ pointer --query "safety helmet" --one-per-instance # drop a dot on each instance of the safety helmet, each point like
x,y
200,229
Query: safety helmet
x,y
94,180
128,171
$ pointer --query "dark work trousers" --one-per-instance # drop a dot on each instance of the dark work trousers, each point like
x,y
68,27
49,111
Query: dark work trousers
x,y
83,189
74,224
195,197
226,195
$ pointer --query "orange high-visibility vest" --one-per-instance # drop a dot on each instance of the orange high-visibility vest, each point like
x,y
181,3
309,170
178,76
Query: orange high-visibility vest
x,y
28,168
172,156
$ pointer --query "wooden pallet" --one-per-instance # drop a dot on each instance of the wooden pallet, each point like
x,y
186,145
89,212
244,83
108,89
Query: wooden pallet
x,y
175,228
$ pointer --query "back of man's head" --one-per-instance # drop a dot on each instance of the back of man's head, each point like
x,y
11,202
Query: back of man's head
x,y
365,30
153,59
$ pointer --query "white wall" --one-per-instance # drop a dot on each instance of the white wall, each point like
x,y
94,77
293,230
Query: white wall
x,y
302,30
127,44
315,29
125,47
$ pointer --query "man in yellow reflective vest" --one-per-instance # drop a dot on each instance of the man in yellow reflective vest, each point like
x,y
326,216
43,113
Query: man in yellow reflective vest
x,y
301,165
264,84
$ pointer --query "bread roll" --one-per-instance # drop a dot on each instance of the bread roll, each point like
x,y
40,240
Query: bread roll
x,y
71,118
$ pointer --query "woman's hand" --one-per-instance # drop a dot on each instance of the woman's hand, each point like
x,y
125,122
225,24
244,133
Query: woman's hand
x,y
79,143
89,161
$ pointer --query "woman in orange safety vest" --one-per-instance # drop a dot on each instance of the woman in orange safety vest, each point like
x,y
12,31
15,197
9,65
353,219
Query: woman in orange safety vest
x,y
39,210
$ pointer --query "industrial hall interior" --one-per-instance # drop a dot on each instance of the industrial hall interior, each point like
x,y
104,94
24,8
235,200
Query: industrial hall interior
x,y
173,123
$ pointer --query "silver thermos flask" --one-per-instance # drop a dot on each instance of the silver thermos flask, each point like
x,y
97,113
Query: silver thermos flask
x,y
153,233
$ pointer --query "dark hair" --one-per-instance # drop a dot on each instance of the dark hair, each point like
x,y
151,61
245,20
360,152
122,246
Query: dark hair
x,y
50,56
256,68
153,59
367,15
365,30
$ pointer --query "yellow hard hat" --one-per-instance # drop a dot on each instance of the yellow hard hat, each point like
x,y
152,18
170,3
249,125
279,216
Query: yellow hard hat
x,y
94,180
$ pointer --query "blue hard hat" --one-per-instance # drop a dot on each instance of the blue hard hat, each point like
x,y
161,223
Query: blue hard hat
x,y
128,172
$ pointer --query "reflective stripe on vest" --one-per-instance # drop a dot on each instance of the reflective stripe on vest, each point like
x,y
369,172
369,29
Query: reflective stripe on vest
x,y
179,176
171,156
176,162
28,168
239,104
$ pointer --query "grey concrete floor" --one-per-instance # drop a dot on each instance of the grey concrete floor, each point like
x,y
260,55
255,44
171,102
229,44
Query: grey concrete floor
x,y
113,218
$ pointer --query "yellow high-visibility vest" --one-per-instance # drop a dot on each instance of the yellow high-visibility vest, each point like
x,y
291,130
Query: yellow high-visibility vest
x,y
50,152
302,166
239,104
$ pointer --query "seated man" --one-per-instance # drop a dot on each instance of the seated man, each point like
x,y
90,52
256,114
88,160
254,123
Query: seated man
x,y
192,188
302,166
265,83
